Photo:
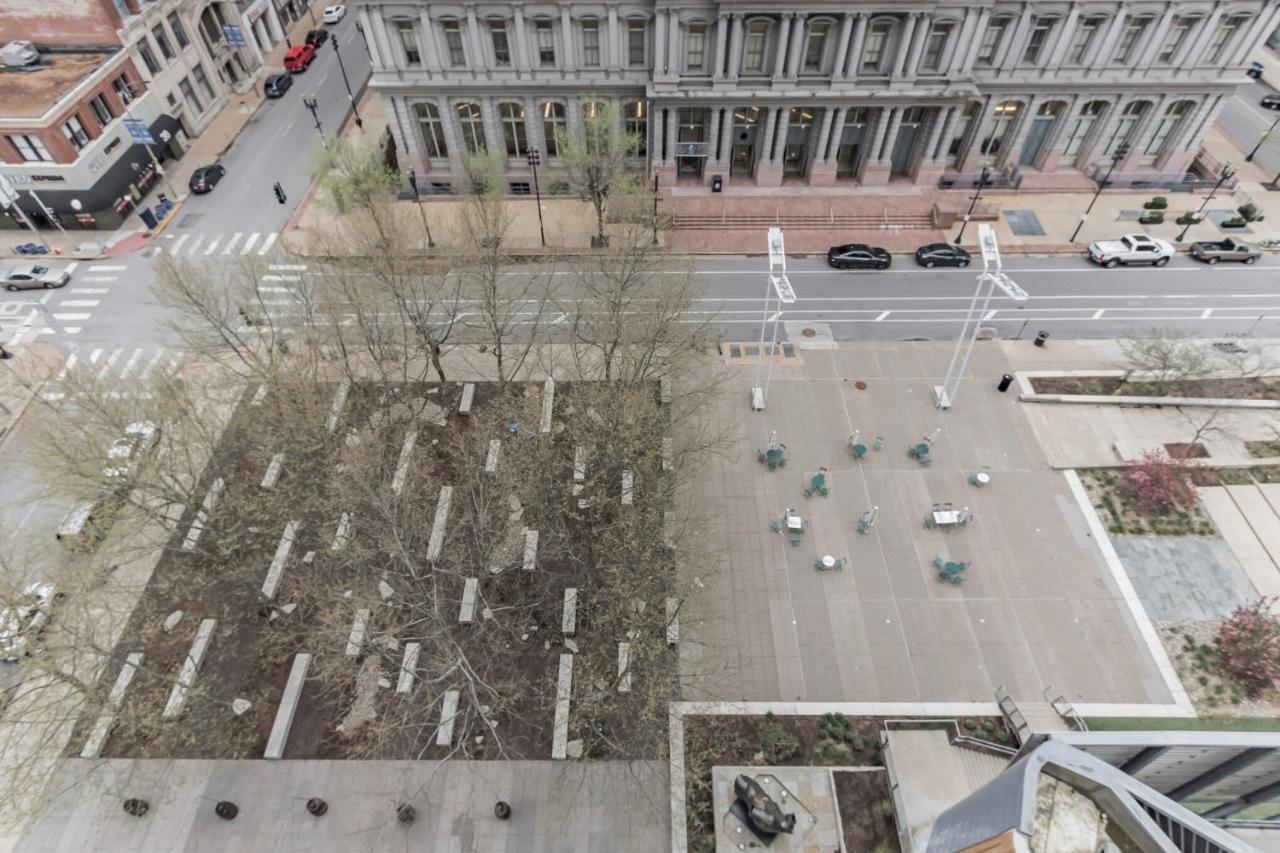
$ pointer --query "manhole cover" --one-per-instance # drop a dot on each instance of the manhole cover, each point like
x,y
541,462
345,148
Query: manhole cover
x,y
808,333
860,385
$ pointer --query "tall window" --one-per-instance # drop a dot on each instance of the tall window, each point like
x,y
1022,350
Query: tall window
x,y
1176,38
554,126
1223,36
935,46
546,39
163,41
501,45
432,130
1169,124
188,93
595,135
1126,127
815,46
991,40
591,43
1129,39
695,55
122,88
1036,41
148,57
514,134
101,109
636,122
408,43
1085,34
636,40
453,43
963,125
1005,113
30,148
73,130
202,80
179,31
1084,125
753,47
873,50
472,124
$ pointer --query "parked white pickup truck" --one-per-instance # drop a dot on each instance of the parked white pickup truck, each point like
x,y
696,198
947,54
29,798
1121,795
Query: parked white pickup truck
x,y
1131,249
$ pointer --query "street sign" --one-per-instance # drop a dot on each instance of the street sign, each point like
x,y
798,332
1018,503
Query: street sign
x,y
235,35
139,131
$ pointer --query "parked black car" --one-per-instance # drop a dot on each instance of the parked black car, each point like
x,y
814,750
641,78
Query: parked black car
x,y
1270,102
858,256
277,85
1255,70
206,178
315,38
941,255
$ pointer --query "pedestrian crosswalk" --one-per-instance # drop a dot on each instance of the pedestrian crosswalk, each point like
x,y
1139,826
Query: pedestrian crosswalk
x,y
214,245
122,372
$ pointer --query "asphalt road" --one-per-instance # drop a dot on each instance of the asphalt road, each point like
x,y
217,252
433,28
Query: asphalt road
x,y
1244,121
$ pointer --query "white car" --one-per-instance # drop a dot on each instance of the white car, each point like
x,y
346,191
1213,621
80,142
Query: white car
x,y
334,14
1131,249
28,276
25,620
137,441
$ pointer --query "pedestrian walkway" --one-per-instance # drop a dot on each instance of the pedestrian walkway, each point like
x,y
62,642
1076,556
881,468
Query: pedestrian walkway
x,y
1249,519
64,310
211,245
121,371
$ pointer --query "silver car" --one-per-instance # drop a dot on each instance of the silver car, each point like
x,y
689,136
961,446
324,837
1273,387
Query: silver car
x,y
26,620
29,276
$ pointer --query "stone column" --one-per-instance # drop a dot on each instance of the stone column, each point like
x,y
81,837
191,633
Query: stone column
x,y
842,45
1066,33
1057,137
1108,47
614,60
660,44
273,23
1264,26
960,43
970,48
1011,50
946,129
430,48
403,130
712,137
478,54
722,45
735,46
384,41
376,59
784,40
533,126
833,142
568,61
820,172
875,172
974,157
904,46
1011,148
726,142
855,47
675,57
453,138
673,117
767,175
798,34
520,40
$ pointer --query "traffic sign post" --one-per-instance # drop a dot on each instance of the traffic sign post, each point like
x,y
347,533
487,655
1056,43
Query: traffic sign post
x,y
138,131
235,35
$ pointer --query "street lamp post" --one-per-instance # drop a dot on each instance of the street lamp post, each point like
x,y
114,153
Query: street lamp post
x,y
309,101
778,285
655,208
973,201
1120,154
992,276
347,83
534,157
417,199
1249,157
1227,172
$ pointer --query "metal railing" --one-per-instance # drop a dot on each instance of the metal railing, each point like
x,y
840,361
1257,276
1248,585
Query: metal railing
x,y
1184,183
1010,179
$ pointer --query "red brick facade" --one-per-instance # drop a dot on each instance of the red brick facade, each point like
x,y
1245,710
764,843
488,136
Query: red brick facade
x,y
62,22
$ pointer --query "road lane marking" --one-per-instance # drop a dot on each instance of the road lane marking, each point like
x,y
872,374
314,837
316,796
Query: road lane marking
x,y
1206,314
883,314
79,303
72,316
195,245
1097,315
66,367
268,243
178,244
146,371
231,246
89,291
213,244
98,278
109,363
287,267
71,267
990,315
128,365
70,330
106,268
282,278
95,355
248,244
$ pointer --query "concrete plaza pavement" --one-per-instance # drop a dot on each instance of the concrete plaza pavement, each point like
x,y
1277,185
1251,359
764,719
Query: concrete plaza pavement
x,y
1039,606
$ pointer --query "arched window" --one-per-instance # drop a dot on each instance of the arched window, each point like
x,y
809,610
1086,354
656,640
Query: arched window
x,y
1127,126
472,125
1005,113
432,130
1170,122
554,126
635,117
1084,125
513,131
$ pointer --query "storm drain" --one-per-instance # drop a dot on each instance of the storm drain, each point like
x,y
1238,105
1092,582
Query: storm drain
x,y
1024,223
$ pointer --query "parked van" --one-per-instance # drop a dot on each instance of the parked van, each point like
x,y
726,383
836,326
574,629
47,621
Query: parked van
x,y
299,57
77,526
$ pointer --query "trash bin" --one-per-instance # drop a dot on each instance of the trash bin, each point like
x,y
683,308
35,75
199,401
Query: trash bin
x,y
1005,382
1041,337
148,218
717,183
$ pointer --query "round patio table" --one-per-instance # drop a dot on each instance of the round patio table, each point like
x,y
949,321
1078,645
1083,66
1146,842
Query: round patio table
x,y
981,478
922,449
828,562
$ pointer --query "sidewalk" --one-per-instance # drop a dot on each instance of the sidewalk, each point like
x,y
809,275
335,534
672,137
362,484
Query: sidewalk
x,y
21,378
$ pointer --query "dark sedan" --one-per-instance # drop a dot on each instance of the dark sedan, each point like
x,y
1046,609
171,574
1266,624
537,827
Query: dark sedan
x,y
277,85
315,38
941,255
858,256
1271,102
206,178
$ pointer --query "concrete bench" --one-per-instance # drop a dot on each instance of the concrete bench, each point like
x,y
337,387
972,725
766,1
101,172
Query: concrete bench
x,y
272,582
669,529
569,617
448,714
560,725
628,481
355,640
339,401
530,550
102,726
288,706
467,612
491,461
436,543
273,471
343,534
664,389
408,665
259,395
673,622
1122,450
468,398
624,664
202,515
579,464
548,404
668,454
402,467
190,668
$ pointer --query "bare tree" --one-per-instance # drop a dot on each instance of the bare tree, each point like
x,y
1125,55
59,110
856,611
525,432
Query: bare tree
x,y
1166,355
595,161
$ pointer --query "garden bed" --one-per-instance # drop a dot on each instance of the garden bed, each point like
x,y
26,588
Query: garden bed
x,y
1231,388
1190,646
1122,519
866,811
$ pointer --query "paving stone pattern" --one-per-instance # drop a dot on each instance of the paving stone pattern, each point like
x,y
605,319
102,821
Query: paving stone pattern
x,y
1184,577
808,795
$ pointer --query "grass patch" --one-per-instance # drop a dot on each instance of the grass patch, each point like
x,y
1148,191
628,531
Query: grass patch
x,y
1122,519
1181,724
1263,449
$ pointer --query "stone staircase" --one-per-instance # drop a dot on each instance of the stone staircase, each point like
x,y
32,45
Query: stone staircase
x,y
882,221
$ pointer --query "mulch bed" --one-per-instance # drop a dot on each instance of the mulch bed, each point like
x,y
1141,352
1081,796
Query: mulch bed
x,y
1249,388
866,811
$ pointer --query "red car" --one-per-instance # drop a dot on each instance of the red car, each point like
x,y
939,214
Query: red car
x,y
298,58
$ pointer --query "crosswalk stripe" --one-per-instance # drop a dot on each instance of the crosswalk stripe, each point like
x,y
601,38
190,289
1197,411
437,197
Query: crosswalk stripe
x,y
128,365
89,291
94,356
248,244
177,244
79,303
99,278
268,243
71,267
109,363
66,367
146,371
231,246
213,245
282,278
69,330
287,267
267,288
106,268
72,316
195,245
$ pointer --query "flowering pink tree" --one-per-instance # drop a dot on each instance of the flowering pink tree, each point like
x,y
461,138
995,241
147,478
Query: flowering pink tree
x,y
1249,647
1155,485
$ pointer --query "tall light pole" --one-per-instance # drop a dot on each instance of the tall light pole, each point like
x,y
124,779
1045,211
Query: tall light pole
x,y
309,101
1249,157
991,277
417,199
1120,154
1227,172
973,201
655,208
347,83
535,157
778,285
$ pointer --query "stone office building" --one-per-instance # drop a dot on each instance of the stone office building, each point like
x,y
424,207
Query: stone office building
x,y
852,94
